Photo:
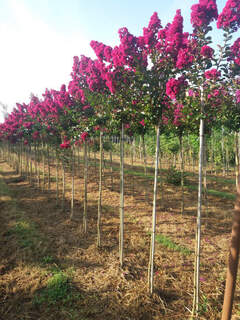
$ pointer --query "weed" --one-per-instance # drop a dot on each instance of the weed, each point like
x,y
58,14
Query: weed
x,y
168,243
57,289
47,260
25,232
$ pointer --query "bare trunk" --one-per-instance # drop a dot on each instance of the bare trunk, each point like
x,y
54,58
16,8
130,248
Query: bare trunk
x,y
63,184
100,193
152,245
43,154
121,230
233,258
195,310
57,177
48,165
205,175
85,187
73,185
111,166
237,138
182,171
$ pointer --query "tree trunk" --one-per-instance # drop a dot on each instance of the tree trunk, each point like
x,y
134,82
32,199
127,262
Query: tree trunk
x,y
111,165
43,154
121,230
233,258
182,171
205,175
48,165
57,177
195,310
100,193
152,245
85,187
237,138
63,184
73,185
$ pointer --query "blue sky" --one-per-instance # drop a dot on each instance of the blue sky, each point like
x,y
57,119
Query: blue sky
x,y
40,37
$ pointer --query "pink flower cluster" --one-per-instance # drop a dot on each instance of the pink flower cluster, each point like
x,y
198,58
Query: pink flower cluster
x,y
203,13
66,143
175,86
178,114
238,96
235,52
230,16
212,74
207,52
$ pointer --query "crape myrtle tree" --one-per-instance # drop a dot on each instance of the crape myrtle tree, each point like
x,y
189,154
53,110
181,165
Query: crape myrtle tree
x,y
122,66
163,46
229,22
208,96
88,81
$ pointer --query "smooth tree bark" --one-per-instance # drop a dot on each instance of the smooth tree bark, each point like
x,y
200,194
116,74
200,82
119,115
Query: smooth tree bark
x,y
73,184
57,177
205,175
233,258
121,229
132,163
85,186
111,164
153,234
43,155
48,166
63,184
195,310
182,171
100,193
237,149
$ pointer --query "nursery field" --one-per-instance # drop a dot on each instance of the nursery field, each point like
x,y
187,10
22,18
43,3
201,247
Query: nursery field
x,y
51,269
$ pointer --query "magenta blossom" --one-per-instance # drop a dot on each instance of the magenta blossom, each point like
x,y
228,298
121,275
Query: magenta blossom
x,y
238,96
174,86
235,52
66,143
212,74
203,13
142,122
84,136
207,52
230,16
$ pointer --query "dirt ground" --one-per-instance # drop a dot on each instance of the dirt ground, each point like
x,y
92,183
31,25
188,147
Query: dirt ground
x,y
40,244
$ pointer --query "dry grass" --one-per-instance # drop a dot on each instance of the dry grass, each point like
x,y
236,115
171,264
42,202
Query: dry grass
x,y
90,283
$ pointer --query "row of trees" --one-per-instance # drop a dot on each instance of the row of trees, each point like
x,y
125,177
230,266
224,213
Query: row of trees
x,y
167,80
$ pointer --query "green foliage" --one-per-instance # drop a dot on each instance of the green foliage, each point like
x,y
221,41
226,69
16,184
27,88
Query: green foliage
x,y
25,232
58,289
168,243
173,176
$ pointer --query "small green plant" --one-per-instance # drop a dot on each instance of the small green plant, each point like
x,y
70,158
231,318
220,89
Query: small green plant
x,y
203,306
168,243
57,289
173,176
25,232
47,259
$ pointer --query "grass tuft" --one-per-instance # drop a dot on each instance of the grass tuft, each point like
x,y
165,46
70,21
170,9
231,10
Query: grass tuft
x,y
168,243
